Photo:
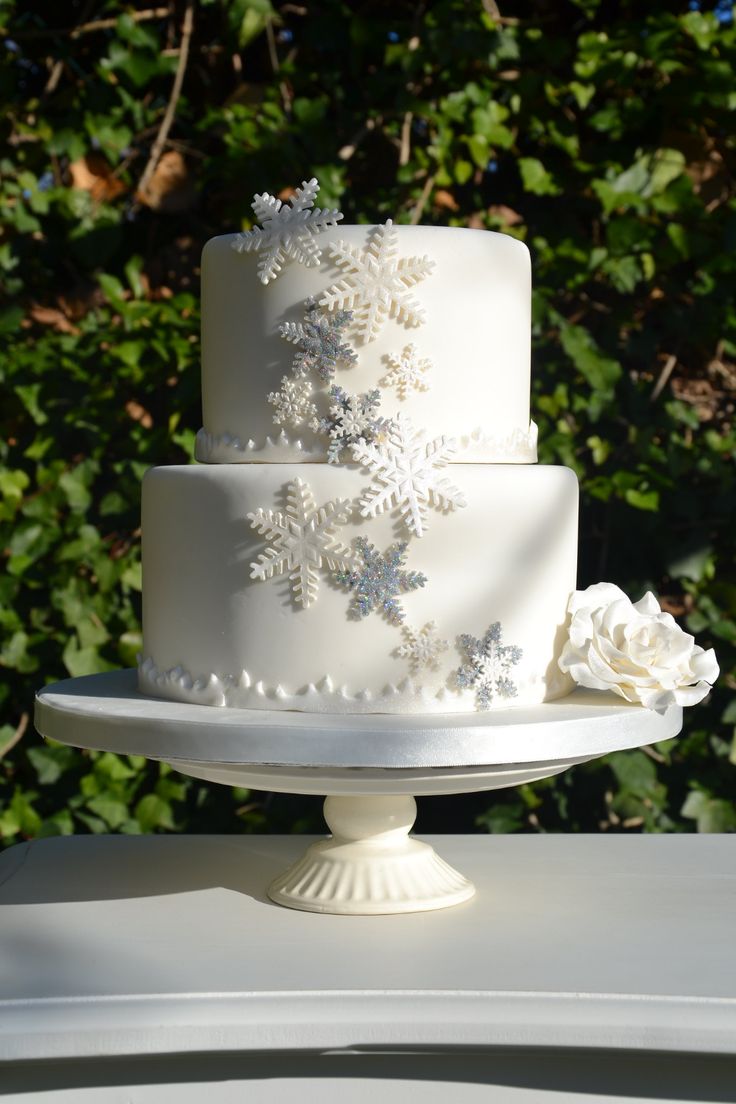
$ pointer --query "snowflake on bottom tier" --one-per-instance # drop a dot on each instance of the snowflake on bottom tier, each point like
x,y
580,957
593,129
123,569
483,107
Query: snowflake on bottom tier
x,y
407,372
423,647
379,580
408,474
351,420
489,666
293,403
303,538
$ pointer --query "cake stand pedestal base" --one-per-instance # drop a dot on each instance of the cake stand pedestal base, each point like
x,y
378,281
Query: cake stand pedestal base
x,y
370,865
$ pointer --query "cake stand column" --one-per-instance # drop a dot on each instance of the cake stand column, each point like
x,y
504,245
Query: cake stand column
x,y
370,864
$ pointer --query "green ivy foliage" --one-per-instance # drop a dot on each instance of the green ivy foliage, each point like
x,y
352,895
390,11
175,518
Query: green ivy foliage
x,y
600,133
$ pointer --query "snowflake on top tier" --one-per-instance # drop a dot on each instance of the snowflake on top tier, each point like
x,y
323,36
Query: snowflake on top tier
x,y
351,419
376,282
288,230
408,474
407,373
489,666
304,539
379,579
293,403
319,339
423,647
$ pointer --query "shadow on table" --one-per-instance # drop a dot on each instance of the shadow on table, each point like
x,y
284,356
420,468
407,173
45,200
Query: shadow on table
x,y
106,868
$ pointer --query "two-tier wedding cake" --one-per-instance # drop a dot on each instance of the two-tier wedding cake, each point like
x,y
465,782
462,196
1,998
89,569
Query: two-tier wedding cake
x,y
368,530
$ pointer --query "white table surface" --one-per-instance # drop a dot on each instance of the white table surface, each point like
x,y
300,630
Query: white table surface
x,y
161,945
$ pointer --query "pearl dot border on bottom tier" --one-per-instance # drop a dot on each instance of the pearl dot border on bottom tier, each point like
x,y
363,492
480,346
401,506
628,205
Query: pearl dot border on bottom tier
x,y
369,766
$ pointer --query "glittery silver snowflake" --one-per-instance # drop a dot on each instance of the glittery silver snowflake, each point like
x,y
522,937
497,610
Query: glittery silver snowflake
x,y
423,647
304,538
377,283
288,230
407,372
351,419
319,339
292,402
488,667
378,580
407,473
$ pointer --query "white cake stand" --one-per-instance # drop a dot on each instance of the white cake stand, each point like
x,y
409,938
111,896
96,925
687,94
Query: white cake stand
x,y
370,766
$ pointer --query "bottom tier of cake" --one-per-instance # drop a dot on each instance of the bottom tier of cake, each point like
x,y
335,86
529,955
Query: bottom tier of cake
x,y
484,629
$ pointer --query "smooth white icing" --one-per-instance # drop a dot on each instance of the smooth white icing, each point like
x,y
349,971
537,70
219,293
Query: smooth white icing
x,y
477,335
508,556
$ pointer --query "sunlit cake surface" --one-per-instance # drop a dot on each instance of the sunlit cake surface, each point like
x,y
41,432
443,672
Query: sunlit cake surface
x,y
475,333
212,634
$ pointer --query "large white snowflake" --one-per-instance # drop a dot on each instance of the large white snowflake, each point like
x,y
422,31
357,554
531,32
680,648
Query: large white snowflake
x,y
423,647
488,667
304,539
288,230
408,471
292,402
377,283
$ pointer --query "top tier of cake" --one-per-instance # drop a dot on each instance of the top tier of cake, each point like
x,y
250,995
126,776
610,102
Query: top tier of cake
x,y
475,333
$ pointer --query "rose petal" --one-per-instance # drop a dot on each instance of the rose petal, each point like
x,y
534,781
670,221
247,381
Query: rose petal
x,y
583,676
599,594
657,699
647,605
618,613
704,664
691,695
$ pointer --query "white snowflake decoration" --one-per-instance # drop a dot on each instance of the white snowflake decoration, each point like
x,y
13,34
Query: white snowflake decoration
x,y
408,475
377,283
304,539
351,419
423,647
293,403
489,665
288,231
408,370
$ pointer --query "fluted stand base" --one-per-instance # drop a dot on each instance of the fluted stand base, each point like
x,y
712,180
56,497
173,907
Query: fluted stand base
x,y
370,864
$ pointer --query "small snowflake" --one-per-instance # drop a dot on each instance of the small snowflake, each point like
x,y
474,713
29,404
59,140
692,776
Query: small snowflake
x,y
379,580
407,469
293,403
489,666
304,539
407,373
376,282
423,647
351,419
319,339
288,230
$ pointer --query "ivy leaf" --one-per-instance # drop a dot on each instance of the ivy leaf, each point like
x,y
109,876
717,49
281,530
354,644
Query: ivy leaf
x,y
536,178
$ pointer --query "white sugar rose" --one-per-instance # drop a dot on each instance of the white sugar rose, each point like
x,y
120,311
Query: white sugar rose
x,y
634,649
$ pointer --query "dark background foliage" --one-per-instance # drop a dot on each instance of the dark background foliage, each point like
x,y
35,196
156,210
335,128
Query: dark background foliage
x,y
600,133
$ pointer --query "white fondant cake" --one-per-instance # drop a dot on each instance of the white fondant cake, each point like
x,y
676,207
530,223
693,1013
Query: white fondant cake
x,y
369,532
476,334
215,635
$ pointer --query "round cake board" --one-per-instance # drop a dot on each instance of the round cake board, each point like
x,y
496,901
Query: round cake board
x,y
370,766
